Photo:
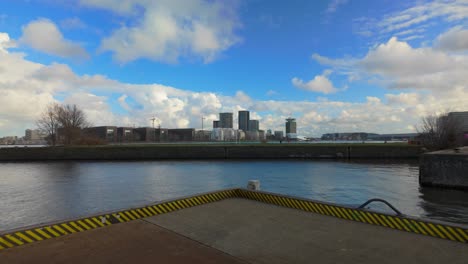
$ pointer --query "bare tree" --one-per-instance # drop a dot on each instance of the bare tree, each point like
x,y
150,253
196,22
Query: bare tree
x,y
72,120
62,122
48,122
439,131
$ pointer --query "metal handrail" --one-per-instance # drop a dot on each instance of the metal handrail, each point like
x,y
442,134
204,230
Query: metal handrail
x,y
382,201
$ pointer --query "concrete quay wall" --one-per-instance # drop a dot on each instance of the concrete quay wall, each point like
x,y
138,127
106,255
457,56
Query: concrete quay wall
x,y
445,168
157,152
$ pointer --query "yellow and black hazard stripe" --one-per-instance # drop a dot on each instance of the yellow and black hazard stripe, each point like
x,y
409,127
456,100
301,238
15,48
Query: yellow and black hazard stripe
x,y
444,231
423,227
18,238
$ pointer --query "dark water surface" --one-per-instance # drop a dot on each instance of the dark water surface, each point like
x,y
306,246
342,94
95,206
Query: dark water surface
x,y
37,192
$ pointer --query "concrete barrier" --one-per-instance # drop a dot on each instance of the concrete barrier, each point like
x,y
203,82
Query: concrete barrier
x,y
445,168
200,151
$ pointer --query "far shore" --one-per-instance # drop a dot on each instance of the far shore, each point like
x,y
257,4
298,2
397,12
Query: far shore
x,y
232,150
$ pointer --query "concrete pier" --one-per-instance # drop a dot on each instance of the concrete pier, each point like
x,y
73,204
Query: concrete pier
x,y
445,168
238,230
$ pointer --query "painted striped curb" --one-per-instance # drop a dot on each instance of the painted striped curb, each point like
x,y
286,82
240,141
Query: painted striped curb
x,y
412,225
21,237
402,223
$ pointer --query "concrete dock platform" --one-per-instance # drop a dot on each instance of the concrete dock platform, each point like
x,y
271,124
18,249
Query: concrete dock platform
x,y
240,231
133,242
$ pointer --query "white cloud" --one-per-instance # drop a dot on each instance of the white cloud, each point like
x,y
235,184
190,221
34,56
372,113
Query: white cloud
x,y
320,84
397,58
5,43
72,23
43,35
398,65
27,87
455,39
334,4
403,99
170,30
413,20
452,10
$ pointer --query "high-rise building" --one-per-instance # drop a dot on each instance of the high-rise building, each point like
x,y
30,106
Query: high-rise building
x,y
291,126
253,125
215,123
225,120
279,135
244,118
462,120
32,134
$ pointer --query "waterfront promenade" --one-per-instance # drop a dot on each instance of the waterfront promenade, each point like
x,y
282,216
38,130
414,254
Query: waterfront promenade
x,y
237,230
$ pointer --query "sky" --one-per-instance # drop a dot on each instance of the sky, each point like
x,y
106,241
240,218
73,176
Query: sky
x,y
334,65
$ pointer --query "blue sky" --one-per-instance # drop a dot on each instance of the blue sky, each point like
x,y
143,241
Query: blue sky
x,y
337,65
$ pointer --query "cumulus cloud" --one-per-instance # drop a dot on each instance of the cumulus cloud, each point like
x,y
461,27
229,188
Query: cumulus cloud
x,y
44,35
5,42
398,58
455,39
397,65
320,84
27,87
171,30
403,99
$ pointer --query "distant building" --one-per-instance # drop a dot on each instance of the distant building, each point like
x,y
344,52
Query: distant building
x,y
279,135
291,126
107,133
146,134
368,136
202,135
462,118
261,135
216,124
125,134
181,134
225,120
8,140
252,135
33,135
161,134
244,118
225,134
253,125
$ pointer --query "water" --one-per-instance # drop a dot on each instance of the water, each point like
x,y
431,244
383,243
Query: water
x,y
38,192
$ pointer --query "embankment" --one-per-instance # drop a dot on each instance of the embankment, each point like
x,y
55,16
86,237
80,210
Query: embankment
x,y
445,168
215,151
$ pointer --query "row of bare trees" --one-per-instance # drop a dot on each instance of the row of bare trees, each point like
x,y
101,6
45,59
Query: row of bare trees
x,y
62,122
441,131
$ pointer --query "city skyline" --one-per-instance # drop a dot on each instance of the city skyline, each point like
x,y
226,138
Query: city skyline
x,y
336,66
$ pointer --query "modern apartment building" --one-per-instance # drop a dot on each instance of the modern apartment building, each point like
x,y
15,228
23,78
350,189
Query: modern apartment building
x,y
462,120
291,126
244,118
225,120
253,125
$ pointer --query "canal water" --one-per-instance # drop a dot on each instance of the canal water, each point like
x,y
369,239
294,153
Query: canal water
x,y
38,192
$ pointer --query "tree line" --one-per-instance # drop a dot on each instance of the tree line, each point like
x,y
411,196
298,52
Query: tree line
x,y
62,123
442,131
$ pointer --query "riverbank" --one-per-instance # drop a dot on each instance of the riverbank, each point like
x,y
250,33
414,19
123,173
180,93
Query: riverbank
x,y
213,151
